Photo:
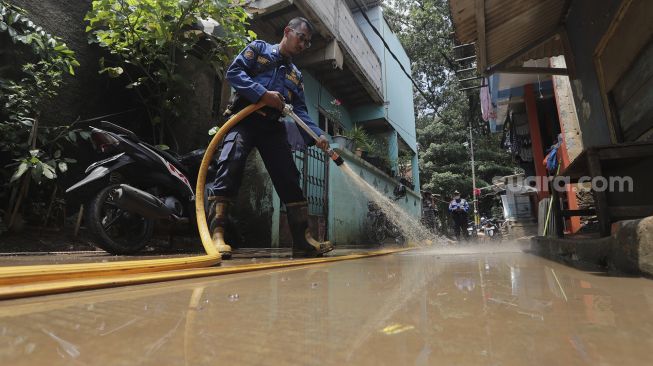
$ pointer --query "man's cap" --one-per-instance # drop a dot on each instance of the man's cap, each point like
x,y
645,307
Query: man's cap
x,y
456,192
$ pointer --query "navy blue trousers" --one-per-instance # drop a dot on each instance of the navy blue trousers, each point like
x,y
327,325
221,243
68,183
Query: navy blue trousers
x,y
270,138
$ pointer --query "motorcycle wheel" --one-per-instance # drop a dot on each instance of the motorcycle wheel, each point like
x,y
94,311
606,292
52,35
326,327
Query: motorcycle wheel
x,y
115,230
400,240
375,230
394,231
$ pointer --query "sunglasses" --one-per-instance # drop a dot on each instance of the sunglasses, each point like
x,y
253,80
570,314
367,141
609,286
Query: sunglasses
x,y
303,38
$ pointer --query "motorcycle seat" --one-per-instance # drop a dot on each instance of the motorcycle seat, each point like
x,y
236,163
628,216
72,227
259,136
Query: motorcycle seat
x,y
168,155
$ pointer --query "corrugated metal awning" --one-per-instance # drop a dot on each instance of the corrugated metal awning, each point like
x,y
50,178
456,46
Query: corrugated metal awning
x,y
508,32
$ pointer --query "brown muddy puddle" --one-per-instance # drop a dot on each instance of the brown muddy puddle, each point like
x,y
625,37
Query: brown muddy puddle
x,y
449,306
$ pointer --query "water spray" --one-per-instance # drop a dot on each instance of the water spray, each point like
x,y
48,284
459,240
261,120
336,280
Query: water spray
x,y
288,111
411,228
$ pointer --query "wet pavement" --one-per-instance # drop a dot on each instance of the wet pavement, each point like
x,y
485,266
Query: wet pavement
x,y
449,306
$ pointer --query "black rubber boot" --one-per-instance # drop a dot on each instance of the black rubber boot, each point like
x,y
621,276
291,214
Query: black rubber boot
x,y
218,206
304,246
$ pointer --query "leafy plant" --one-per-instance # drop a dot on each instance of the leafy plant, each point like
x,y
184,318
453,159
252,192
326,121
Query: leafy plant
x,y
35,149
360,138
378,154
375,148
147,40
405,162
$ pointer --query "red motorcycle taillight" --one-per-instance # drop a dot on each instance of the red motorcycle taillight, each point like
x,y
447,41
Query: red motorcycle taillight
x,y
103,142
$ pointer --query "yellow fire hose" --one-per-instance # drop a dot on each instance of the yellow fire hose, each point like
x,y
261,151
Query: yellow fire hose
x,y
80,284
203,228
29,274
24,281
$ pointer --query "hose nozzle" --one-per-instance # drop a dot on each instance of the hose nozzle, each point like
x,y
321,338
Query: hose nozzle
x,y
335,157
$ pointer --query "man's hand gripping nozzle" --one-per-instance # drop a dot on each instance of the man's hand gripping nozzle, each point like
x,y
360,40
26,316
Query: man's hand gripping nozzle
x,y
287,111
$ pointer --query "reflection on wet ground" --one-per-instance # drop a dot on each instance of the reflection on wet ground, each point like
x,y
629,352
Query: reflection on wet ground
x,y
453,306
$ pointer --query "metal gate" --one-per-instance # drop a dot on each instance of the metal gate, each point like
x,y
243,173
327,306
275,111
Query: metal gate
x,y
314,178
313,166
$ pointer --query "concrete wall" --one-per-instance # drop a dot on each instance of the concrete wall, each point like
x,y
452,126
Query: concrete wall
x,y
587,22
337,18
348,206
317,96
87,94
415,165
398,89
198,104
567,111
254,218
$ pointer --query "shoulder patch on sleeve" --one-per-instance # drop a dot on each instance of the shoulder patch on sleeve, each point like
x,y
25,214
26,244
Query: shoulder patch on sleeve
x,y
249,53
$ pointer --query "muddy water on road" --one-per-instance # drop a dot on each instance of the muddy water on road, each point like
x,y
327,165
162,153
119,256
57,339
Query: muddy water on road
x,y
448,306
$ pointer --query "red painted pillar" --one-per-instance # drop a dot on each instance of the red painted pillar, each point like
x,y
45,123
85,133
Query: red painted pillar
x,y
536,138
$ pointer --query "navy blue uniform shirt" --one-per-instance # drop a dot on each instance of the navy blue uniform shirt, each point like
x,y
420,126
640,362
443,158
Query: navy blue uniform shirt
x,y
453,205
251,76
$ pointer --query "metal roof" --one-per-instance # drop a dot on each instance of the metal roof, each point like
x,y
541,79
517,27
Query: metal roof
x,y
514,30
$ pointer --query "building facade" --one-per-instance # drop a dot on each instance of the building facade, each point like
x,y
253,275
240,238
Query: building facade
x,y
580,70
350,81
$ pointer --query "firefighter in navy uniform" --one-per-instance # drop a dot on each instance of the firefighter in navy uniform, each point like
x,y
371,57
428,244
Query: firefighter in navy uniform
x,y
265,72
459,208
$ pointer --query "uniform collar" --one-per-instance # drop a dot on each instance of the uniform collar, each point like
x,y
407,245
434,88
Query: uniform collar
x,y
276,51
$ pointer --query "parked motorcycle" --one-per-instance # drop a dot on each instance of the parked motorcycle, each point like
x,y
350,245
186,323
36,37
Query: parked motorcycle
x,y
378,227
490,229
472,230
131,186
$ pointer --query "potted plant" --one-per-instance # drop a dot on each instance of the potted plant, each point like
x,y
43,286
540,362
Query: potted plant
x,y
333,114
360,139
344,141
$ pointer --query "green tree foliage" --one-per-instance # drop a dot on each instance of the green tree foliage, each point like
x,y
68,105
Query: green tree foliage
x,y
444,116
148,39
34,64
23,90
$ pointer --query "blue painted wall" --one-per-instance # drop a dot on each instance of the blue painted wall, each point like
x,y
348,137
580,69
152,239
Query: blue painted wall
x,y
348,205
397,87
317,96
393,149
415,164
588,20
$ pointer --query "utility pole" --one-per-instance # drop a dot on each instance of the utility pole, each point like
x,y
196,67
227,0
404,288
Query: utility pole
x,y
474,200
